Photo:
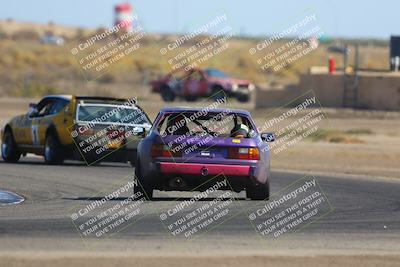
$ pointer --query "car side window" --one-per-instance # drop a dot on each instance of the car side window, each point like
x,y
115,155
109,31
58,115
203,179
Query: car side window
x,y
162,125
44,107
57,106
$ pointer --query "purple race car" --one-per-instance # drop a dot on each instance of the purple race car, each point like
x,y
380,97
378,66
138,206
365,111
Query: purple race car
x,y
186,147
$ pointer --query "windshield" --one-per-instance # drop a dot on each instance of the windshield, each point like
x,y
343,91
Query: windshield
x,y
111,114
215,73
215,124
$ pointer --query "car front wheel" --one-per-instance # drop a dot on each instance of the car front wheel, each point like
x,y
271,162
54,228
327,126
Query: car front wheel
x,y
167,94
9,148
53,153
133,158
258,192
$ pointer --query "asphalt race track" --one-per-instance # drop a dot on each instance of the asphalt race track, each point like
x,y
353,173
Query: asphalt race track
x,y
365,215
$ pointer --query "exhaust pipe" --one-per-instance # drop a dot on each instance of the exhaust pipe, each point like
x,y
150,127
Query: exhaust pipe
x,y
177,182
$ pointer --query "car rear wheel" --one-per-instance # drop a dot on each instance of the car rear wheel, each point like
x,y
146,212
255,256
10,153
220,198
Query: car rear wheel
x,y
9,148
258,192
243,98
143,187
53,153
191,98
167,94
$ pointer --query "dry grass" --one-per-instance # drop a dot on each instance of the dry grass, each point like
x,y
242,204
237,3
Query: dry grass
x,y
29,68
339,136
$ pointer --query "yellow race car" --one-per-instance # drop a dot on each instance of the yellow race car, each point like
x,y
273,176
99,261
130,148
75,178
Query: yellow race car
x,y
63,127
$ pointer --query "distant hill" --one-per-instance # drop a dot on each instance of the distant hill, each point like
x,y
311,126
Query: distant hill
x,y
11,27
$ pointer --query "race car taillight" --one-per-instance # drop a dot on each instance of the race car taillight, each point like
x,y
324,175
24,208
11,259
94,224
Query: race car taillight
x,y
164,151
250,153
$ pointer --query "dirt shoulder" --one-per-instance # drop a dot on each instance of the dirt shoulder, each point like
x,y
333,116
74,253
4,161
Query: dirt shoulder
x,y
361,159
130,259
347,142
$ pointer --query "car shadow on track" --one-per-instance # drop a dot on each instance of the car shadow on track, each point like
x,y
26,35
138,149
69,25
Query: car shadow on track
x,y
68,164
153,200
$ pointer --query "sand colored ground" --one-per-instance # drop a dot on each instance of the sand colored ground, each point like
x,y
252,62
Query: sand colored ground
x,y
200,260
375,151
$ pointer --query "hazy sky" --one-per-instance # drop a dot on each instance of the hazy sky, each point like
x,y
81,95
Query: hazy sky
x,y
344,18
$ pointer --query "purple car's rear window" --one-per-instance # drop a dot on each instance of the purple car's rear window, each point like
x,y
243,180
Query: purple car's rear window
x,y
216,124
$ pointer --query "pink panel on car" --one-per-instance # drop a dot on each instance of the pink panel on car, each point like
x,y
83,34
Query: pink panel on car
x,y
204,169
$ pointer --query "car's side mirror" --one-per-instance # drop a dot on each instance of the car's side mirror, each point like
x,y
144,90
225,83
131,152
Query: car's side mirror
x,y
32,110
139,130
268,137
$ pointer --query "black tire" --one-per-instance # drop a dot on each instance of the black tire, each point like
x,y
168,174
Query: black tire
x,y
243,98
53,152
191,98
9,148
218,93
167,94
132,156
143,186
258,192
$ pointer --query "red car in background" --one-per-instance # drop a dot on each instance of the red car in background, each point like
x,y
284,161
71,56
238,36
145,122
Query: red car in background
x,y
196,83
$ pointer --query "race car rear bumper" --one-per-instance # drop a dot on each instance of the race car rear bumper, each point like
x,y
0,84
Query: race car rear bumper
x,y
203,169
165,175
